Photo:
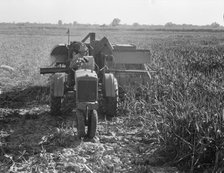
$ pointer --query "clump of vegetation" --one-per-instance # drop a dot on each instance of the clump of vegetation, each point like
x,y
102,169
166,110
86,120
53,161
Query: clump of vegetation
x,y
186,99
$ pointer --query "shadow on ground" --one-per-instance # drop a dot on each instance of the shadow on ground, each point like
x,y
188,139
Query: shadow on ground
x,y
20,98
25,134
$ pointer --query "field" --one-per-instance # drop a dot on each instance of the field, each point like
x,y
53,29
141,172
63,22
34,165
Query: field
x,y
175,123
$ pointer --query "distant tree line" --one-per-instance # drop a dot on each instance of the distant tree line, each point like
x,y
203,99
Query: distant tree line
x,y
212,25
116,22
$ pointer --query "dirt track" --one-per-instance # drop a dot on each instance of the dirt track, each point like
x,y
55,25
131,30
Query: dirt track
x,y
34,141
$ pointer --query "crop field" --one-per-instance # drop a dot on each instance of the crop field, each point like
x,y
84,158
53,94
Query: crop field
x,y
175,123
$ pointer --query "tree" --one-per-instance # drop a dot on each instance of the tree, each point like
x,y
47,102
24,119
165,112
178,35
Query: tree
x,y
170,24
75,23
59,22
215,25
115,22
135,24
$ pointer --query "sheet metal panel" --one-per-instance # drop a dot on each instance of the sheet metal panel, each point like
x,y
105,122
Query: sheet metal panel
x,y
131,56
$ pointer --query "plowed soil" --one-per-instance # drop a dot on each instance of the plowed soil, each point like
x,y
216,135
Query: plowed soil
x,y
34,141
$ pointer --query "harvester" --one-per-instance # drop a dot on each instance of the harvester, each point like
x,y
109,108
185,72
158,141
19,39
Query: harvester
x,y
93,84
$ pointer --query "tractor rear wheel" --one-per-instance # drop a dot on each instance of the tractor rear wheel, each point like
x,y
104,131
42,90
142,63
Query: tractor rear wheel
x,y
92,124
80,124
55,106
111,95
55,102
111,106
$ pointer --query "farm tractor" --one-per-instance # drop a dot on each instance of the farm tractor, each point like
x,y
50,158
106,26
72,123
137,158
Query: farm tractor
x,y
92,84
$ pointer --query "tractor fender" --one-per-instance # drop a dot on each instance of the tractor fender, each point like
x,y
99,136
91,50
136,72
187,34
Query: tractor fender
x,y
59,54
110,85
57,84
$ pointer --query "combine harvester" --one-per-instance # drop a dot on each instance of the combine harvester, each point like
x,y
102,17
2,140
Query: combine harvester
x,y
93,83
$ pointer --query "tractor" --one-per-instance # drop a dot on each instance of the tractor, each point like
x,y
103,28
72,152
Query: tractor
x,y
92,84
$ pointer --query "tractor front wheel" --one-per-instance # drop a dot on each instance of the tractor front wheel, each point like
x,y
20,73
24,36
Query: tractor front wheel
x,y
80,124
92,124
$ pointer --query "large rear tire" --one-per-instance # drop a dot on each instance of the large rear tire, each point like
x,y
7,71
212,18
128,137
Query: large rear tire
x,y
92,124
111,106
111,95
55,102
80,124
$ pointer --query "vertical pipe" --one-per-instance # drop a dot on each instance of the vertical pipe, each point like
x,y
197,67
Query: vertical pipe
x,y
68,32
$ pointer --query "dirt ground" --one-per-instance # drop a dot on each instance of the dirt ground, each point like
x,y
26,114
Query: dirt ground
x,y
32,140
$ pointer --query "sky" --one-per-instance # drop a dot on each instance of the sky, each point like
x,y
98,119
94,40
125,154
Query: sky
x,y
196,12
